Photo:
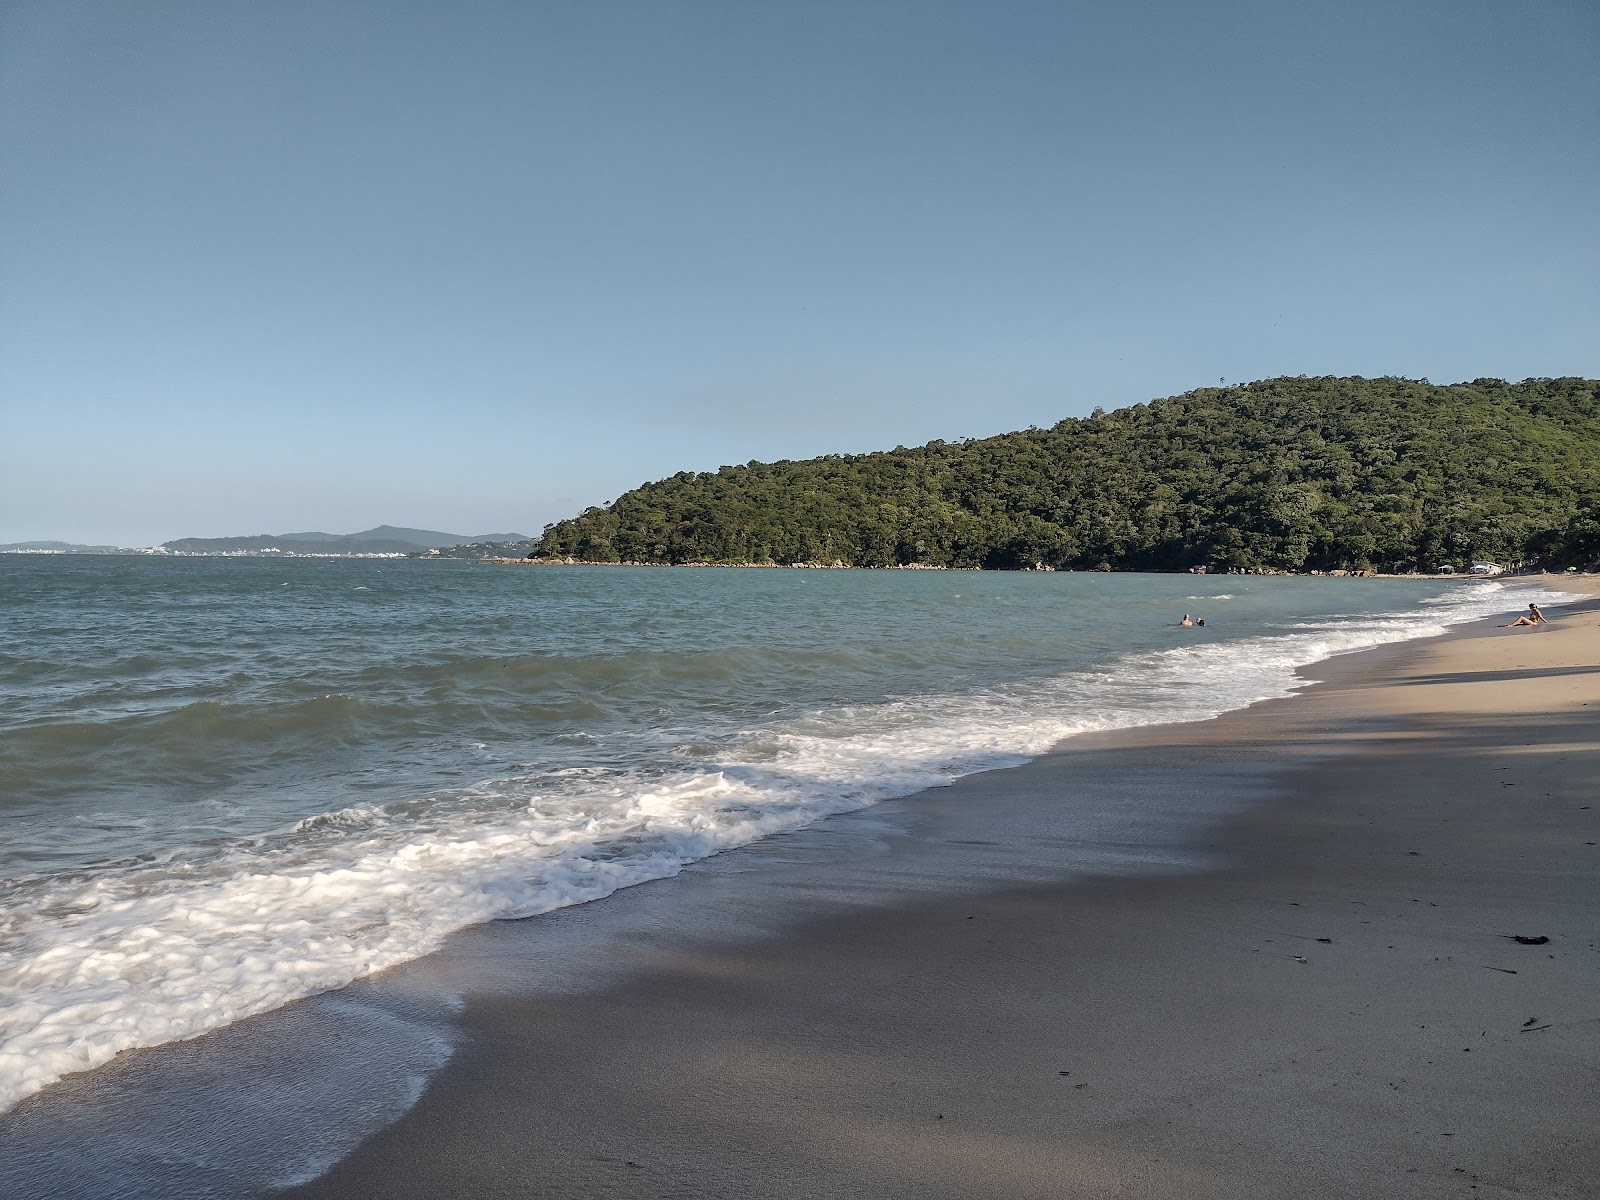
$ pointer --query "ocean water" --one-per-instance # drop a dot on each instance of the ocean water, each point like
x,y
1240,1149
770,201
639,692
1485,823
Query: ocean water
x,y
229,783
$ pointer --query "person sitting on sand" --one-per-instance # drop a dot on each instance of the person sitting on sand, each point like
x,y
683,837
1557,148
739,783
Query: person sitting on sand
x,y
1532,617
1186,620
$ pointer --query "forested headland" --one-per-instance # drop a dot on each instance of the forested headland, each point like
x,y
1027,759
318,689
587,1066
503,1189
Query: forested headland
x,y
1289,474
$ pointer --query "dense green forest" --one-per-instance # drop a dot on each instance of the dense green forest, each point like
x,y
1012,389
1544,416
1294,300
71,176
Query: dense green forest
x,y
1287,474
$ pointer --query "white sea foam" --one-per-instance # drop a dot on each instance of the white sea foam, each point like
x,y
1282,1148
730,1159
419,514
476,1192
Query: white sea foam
x,y
164,949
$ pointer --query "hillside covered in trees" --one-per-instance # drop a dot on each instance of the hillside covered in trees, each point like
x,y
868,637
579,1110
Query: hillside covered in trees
x,y
1289,473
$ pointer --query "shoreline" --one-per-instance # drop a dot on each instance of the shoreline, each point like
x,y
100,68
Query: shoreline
x,y
894,1048
1504,575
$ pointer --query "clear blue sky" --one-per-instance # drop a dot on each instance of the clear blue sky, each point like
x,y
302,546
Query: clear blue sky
x,y
472,266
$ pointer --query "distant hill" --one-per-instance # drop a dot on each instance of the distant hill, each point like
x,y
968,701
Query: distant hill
x,y
56,548
384,539
1284,474
423,538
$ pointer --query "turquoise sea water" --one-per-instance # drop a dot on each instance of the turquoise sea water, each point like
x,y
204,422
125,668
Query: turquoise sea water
x,y
226,783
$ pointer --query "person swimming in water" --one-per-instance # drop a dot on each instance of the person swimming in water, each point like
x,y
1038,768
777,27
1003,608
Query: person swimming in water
x,y
1186,620
1532,617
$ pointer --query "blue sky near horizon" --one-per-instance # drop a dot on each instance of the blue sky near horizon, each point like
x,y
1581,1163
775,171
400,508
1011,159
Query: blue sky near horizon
x,y
475,266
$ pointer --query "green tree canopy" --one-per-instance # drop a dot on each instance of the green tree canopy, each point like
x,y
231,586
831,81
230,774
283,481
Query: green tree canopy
x,y
1289,473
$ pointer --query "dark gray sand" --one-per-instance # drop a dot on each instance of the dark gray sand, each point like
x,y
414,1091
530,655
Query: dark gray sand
x,y
1334,1009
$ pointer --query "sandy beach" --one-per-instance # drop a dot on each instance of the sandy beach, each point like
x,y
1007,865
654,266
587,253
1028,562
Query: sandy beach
x,y
1338,1006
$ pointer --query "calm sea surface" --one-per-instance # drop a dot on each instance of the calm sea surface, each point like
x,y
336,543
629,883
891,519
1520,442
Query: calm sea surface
x,y
227,783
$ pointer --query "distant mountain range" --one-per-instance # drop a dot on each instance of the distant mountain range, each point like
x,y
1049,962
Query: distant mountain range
x,y
384,539
56,548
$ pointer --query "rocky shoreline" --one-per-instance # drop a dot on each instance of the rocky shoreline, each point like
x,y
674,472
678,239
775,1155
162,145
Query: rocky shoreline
x,y
843,566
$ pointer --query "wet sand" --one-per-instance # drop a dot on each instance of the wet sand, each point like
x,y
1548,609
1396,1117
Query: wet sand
x,y
1335,1008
